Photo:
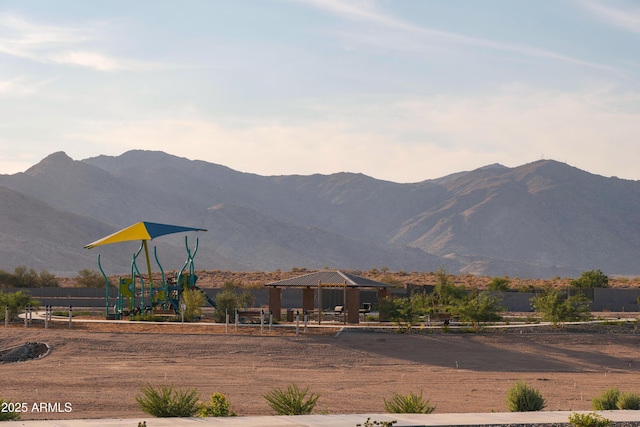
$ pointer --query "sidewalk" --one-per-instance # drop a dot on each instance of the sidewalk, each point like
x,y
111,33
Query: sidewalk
x,y
403,420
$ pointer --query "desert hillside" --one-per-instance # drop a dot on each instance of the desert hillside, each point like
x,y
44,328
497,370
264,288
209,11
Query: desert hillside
x,y
216,278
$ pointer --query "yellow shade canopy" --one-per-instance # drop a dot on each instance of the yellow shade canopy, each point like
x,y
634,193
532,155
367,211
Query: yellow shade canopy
x,y
143,230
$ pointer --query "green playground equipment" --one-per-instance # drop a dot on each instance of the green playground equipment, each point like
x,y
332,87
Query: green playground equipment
x,y
136,298
134,295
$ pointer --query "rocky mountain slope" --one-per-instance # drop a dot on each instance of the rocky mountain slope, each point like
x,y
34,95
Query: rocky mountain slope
x,y
542,219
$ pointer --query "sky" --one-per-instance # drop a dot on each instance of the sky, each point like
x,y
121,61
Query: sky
x,y
400,90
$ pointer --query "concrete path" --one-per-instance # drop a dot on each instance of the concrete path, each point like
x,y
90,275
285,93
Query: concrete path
x,y
403,420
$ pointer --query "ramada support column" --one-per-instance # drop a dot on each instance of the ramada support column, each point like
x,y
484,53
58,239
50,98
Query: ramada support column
x,y
353,305
275,302
382,295
307,299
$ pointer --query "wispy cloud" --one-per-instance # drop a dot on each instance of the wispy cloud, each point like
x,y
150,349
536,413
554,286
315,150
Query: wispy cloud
x,y
19,86
628,18
366,11
70,45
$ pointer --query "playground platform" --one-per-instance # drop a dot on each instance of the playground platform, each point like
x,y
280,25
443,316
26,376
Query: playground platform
x,y
631,418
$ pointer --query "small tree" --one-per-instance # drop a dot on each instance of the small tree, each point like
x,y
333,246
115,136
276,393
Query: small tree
x,y
480,307
591,279
499,284
25,278
47,280
218,406
231,298
193,300
16,302
406,311
523,398
554,307
446,292
6,279
409,404
90,279
293,401
168,402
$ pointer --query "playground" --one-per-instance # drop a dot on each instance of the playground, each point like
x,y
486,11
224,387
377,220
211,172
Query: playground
x,y
135,295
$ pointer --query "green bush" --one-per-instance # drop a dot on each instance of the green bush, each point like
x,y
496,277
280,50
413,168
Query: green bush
x,y
588,420
409,404
168,402
231,297
90,279
9,415
16,302
293,401
218,406
628,401
607,400
554,306
193,300
591,279
499,284
479,307
523,398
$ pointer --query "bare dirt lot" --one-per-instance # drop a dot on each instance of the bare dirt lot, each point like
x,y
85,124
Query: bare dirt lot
x,y
99,369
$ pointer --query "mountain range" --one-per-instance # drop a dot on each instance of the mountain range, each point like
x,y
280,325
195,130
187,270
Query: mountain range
x,y
539,220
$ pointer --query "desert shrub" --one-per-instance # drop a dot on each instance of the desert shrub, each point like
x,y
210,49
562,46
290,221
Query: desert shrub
x,y
607,400
588,420
218,406
404,312
555,307
591,279
89,279
479,307
499,284
409,404
446,293
628,401
16,302
6,414
523,398
193,300
230,298
168,402
390,280
293,401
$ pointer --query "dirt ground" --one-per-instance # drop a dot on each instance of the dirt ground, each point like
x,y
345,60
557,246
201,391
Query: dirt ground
x,y
98,370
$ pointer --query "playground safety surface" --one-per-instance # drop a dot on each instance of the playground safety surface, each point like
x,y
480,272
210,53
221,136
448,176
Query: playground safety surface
x,y
98,369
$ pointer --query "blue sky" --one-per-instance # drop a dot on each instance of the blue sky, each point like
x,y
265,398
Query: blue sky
x,y
401,90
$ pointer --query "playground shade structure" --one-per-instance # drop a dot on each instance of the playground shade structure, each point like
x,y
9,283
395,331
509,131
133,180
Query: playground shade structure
x,y
143,230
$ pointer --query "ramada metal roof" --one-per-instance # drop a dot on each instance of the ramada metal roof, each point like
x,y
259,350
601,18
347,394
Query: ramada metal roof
x,y
337,278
